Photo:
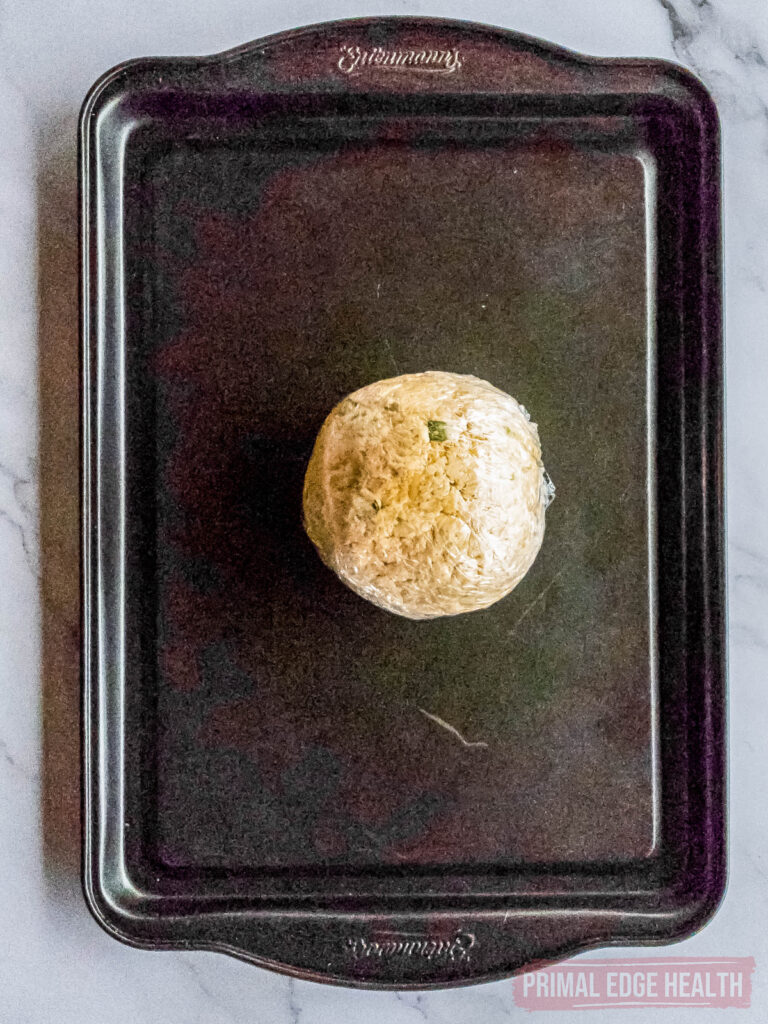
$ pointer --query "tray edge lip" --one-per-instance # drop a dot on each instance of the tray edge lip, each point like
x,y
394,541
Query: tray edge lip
x,y
664,68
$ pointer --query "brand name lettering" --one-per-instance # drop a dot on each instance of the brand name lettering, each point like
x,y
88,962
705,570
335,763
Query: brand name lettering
x,y
353,59
405,944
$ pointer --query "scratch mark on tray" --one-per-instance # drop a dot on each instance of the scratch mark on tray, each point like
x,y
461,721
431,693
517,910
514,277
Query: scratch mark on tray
x,y
453,730
538,599
391,354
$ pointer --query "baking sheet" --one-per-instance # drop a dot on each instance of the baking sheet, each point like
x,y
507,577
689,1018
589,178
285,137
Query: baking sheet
x,y
273,766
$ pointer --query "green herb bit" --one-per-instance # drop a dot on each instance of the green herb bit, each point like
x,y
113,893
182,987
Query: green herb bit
x,y
437,431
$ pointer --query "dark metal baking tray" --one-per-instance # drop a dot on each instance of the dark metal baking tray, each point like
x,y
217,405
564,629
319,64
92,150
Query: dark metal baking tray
x,y
266,772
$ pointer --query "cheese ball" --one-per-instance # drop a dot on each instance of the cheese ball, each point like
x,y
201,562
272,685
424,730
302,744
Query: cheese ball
x,y
426,493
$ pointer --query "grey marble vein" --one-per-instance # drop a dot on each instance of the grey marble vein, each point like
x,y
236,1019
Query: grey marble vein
x,y
748,635
712,42
194,970
13,761
294,1005
17,508
413,1002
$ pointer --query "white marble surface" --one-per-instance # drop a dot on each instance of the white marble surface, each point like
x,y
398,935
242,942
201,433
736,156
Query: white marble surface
x,y
55,963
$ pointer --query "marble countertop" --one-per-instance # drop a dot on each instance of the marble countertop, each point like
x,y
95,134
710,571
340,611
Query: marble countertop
x,y
56,964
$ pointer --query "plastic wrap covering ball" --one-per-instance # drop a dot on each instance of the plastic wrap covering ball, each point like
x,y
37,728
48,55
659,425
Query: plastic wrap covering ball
x,y
426,493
